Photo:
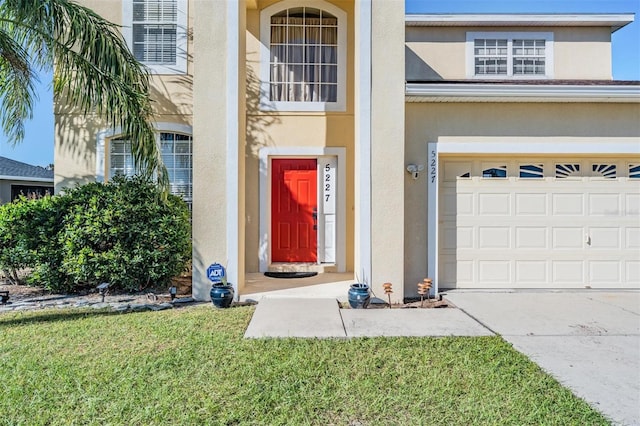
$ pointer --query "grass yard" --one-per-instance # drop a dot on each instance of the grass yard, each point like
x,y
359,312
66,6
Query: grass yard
x,y
192,366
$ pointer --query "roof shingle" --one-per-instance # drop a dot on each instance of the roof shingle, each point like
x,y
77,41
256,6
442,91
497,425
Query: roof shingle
x,y
13,168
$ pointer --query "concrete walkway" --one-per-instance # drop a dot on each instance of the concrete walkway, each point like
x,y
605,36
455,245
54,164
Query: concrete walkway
x,y
322,318
587,340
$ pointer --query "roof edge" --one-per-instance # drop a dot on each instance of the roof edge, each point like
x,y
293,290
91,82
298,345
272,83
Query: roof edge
x,y
27,178
613,20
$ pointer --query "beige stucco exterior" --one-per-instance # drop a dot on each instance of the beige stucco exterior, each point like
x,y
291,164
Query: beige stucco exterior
x,y
385,212
387,148
439,53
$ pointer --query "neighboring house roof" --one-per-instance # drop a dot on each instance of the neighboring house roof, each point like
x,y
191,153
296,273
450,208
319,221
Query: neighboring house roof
x,y
523,91
615,21
16,170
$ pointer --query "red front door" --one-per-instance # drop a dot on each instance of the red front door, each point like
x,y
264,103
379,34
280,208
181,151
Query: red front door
x,y
294,192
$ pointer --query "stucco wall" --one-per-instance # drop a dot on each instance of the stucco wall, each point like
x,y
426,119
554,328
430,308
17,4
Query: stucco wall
x,y
387,147
438,53
517,123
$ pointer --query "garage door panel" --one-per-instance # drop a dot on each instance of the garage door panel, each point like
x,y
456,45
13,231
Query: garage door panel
x,y
494,273
494,204
568,271
494,237
464,271
605,238
464,236
632,202
567,238
604,204
531,204
605,271
531,237
632,272
464,204
632,238
567,204
532,272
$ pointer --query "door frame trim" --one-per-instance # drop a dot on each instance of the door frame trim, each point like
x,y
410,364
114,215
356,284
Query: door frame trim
x,y
265,155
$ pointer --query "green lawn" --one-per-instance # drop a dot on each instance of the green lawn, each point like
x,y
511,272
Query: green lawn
x,y
192,366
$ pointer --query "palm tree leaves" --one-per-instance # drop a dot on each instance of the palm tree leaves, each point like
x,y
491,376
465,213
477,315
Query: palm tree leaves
x,y
16,87
94,72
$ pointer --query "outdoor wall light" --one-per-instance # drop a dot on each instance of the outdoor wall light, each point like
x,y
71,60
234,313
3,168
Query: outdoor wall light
x,y
414,170
172,292
103,289
4,297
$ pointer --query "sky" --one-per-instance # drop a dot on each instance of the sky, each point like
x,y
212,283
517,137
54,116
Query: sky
x,y
37,148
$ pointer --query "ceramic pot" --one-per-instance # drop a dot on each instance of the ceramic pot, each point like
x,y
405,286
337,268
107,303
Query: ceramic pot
x,y
221,295
359,296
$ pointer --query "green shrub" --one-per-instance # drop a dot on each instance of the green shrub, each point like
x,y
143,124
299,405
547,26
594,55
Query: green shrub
x,y
28,237
14,238
125,234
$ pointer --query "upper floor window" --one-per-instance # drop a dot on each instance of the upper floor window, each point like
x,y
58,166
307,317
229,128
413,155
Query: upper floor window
x,y
303,63
156,33
509,55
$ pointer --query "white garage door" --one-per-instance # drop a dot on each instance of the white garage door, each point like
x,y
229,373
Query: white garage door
x,y
539,223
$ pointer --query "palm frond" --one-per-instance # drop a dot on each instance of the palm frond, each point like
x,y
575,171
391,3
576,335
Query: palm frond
x,y
17,92
94,69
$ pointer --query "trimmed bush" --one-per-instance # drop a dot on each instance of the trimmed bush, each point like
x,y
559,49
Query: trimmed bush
x,y
123,233
28,234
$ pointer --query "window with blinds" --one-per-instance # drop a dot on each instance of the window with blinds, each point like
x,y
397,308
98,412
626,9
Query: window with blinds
x,y
176,150
154,31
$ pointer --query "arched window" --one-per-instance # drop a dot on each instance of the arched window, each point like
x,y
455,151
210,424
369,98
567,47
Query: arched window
x,y
303,62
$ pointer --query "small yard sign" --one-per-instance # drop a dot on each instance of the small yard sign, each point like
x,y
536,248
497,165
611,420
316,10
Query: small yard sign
x,y
215,272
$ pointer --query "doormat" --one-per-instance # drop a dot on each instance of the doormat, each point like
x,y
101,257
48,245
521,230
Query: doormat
x,y
290,274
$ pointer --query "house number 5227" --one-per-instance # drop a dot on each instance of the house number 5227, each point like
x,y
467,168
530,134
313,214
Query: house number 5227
x,y
329,186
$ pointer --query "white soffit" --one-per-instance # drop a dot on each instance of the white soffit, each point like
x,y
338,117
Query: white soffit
x,y
615,21
443,92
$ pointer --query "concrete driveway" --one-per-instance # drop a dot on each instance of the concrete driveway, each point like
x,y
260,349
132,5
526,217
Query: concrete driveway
x,y
588,340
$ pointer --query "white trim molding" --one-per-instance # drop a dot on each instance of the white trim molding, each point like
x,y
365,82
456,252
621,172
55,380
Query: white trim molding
x,y
491,92
433,229
615,21
266,104
180,66
547,146
362,162
265,155
233,150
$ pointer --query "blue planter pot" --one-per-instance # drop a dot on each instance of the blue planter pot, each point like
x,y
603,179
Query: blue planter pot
x,y
359,296
221,295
